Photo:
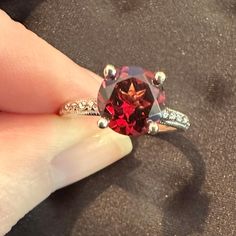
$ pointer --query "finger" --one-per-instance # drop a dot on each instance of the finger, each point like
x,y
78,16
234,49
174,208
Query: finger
x,y
34,76
40,154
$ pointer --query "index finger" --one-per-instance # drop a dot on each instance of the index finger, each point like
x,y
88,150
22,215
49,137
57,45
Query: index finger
x,y
34,76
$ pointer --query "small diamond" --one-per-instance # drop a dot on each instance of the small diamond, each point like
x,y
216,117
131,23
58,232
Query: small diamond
x,y
185,120
172,116
82,105
165,114
94,106
178,117
73,107
90,104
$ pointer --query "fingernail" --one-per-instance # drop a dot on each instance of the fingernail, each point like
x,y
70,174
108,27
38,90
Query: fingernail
x,y
89,156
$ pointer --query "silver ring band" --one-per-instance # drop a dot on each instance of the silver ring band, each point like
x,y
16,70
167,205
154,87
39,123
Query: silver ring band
x,y
168,117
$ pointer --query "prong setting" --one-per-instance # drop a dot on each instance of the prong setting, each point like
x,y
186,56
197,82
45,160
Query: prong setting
x,y
103,123
109,72
153,127
159,78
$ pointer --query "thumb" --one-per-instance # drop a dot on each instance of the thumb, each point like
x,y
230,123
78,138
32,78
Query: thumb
x,y
41,153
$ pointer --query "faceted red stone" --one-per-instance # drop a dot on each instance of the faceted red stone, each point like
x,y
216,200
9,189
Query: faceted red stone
x,y
130,100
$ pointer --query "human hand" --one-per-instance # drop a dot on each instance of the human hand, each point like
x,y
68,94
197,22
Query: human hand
x,y
40,151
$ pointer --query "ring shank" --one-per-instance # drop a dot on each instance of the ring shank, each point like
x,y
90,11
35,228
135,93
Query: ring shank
x,y
165,128
170,120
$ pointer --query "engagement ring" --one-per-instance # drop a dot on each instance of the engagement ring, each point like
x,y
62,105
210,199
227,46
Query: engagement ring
x,y
131,101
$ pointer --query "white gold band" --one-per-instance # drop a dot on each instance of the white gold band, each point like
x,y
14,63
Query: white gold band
x,y
168,117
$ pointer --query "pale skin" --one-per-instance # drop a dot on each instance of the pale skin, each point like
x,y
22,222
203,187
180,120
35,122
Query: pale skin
x,y
40,151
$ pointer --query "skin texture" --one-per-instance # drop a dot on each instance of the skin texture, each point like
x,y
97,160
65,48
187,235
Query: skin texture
x,y
40,151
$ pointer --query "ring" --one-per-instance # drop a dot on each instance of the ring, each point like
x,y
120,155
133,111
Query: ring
x,y
131,101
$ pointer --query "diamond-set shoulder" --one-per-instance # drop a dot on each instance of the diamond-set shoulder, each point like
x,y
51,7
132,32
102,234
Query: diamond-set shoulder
x,y
80,107
174,118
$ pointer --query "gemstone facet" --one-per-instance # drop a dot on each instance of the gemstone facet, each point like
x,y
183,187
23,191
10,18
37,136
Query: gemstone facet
x,y
130,100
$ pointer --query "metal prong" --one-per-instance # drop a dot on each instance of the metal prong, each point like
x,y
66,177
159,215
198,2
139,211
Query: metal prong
x,y
103,123
153,128
160,77
109,72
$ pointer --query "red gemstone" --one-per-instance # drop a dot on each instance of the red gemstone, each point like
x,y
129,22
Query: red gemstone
x,y
130,100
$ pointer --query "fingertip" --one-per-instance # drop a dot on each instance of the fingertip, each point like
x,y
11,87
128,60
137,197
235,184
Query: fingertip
x,y
89,156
